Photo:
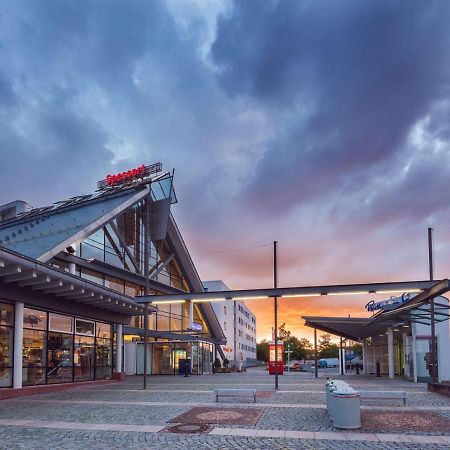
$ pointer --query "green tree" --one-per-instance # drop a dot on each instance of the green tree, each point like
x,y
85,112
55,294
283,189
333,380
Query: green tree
x,y
326,348
300,347
262,351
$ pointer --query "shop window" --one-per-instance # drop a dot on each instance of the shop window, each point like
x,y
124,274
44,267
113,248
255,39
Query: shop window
x,y
59,357
6,314
34,357
34,319
103,330
60,323
84,327
84,358
6,354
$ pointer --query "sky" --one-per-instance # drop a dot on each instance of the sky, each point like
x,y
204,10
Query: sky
x,y
323,125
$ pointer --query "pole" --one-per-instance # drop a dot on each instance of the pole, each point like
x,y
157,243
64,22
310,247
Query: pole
x,y
289,356
433,326
341,358
316,369
146,286
275,307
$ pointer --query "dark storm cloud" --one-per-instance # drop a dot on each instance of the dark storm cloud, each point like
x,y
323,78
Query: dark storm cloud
x,y
344,82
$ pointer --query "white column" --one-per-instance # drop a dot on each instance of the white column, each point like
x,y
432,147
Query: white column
x,y
18,346
119,342
391,351
364,355
72,268
191,314
405,354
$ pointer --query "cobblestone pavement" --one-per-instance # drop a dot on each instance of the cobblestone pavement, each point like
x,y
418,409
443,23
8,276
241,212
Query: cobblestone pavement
x,y
122,415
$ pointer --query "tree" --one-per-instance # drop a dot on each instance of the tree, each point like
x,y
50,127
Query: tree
x,y
262,351
326,348
283,334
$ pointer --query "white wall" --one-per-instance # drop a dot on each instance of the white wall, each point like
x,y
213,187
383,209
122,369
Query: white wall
x,y
238,324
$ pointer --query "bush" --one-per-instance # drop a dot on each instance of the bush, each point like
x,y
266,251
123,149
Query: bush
x,y
217,364
226,363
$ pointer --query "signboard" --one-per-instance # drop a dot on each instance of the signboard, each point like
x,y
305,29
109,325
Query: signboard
x,y
389,304
138,173
197,327
272,358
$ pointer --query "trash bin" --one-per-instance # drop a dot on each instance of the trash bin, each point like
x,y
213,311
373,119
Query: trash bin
x,y
346,408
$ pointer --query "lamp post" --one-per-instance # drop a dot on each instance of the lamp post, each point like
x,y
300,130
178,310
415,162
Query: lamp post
x,y
288,353
275,308
433,325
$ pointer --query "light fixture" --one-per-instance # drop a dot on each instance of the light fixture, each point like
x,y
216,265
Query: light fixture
x,y
405,326
205,300
168,302
397,291
256,297
348,293
314,294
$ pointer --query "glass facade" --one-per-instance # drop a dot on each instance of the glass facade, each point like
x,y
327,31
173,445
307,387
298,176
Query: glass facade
x,y
61,349
6,343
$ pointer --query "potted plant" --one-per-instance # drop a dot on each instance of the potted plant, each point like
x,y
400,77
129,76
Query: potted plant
x,y
226,363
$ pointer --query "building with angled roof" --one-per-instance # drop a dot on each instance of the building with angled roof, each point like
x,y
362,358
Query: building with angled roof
x,y
69,277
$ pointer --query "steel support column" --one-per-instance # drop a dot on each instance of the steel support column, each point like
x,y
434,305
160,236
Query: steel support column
x,y
391,351
433,361
275,307
119,344
146,275
18,345
316,368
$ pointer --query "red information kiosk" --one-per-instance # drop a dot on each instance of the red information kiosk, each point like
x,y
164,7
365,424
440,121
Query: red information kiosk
x,y
272,358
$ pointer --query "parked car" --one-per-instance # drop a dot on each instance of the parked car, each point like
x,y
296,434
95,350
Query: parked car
x,y
329,362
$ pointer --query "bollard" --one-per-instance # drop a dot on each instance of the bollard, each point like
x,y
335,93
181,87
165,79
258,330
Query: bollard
x,y
378,369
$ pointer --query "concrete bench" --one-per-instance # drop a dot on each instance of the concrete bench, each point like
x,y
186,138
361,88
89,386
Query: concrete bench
x,y
235,393
381,395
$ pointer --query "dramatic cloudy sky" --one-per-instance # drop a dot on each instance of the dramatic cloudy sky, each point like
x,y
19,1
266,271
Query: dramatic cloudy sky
x,y
324,125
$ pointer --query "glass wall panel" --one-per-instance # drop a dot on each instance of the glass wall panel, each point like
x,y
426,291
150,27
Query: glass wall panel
x,y
60,323
6,355
162,321
59,357
6,314
84,358
34,319
114,283
103,330
175,317
34,357
84,327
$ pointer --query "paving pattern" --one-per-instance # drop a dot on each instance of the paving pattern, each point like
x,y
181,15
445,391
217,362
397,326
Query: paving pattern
x,y
122,415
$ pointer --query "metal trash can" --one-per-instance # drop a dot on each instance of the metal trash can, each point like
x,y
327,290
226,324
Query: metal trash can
x,y
346,408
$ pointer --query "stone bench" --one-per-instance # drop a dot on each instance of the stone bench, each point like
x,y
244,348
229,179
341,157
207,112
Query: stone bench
x,y
381,395
235,393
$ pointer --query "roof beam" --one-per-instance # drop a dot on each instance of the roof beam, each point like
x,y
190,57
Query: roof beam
x,y
40,279
60,289
25,275
13,270
47,285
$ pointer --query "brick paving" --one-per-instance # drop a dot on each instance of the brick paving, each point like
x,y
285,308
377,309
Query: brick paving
x,y
124,416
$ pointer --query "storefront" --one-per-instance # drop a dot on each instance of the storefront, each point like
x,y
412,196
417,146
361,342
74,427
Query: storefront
x,y
70,276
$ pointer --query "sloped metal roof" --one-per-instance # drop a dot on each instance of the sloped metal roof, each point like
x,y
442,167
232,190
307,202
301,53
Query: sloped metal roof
x,y
44,232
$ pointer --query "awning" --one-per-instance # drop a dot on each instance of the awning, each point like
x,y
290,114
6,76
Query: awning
x,y
26,272
347,327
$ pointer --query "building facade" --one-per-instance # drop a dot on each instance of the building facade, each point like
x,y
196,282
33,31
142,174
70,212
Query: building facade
x,y
239,326
397,340
70,277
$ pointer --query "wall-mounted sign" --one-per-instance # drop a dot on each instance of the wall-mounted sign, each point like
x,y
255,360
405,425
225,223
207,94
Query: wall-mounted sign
x,y
391,303
197,327
137,173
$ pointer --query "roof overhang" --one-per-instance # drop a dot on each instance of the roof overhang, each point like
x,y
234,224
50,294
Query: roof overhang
x,y
347,327
300,291
19,270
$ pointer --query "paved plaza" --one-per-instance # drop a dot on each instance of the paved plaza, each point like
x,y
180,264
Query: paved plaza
x,y
122,415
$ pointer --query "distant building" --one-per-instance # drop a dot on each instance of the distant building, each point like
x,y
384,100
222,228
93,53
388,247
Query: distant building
x,y
239,326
